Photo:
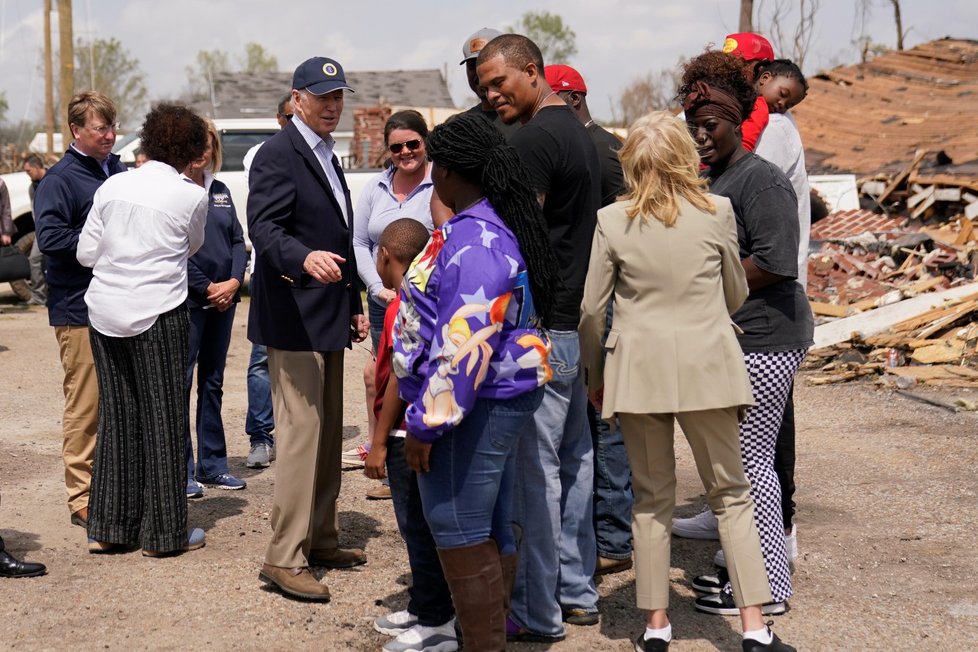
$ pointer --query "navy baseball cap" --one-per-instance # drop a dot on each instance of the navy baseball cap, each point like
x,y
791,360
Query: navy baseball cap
x,y
320,75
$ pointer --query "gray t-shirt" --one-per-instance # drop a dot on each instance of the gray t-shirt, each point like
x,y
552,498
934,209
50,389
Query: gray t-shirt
x,y
776,317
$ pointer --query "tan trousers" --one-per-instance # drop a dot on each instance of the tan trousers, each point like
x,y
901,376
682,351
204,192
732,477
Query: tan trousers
x,y
713,438
80,420
307,399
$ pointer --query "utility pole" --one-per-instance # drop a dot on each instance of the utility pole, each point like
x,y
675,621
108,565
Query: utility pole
x,y
48,80
746,16
67,75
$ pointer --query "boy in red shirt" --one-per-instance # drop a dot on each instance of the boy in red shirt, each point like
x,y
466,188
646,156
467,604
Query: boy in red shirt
x,y
756,48
428,623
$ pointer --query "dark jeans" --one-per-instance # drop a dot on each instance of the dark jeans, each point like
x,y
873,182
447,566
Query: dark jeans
x,y
784,459
260,421
376,310
431,601
210,336
612,489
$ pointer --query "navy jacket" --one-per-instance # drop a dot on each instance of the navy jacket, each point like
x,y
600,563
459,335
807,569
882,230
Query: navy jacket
x,y
222,255
291,212
61,205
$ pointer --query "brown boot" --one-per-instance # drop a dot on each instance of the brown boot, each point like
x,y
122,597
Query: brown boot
x,y
509,564
298,582
475,578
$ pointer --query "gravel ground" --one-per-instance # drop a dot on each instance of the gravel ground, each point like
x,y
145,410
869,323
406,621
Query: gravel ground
x,y
887,496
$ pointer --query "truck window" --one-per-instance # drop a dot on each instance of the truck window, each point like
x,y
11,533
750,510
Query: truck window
x,y
235,144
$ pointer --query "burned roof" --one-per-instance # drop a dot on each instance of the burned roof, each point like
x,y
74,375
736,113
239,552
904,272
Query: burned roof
x,y
871,118
243,95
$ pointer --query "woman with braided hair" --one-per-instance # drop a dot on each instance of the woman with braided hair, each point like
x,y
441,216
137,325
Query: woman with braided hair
x,y
775,319
471,361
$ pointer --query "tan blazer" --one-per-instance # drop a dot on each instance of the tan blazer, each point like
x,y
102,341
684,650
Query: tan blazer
x,y
672,346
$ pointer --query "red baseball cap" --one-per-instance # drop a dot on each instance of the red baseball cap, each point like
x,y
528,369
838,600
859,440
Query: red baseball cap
x,y
564,78
749,45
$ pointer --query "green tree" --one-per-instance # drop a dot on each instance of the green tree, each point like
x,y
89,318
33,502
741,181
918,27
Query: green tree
x,y
200,77
257,59
4,106
556,40
106,66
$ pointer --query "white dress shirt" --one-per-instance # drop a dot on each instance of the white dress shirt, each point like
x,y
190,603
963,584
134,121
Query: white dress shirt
x,y
323,149
142,228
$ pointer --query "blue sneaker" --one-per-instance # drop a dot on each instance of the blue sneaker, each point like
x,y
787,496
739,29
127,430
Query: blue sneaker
x,y
194,490
224,481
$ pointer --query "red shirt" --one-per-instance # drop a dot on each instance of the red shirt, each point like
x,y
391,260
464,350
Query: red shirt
x,y
382,372
755,123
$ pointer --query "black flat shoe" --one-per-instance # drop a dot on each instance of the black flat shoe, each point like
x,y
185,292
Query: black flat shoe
x,y
643,644
776,645
10,566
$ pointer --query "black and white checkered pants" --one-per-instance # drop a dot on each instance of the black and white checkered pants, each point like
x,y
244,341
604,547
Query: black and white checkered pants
x,y
771,375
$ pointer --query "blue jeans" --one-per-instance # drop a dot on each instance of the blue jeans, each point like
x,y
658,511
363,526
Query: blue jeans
x,y
376,310
431,601
468,493
259,423
210,336
553,501
612,489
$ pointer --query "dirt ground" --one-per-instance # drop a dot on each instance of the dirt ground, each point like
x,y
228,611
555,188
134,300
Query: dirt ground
x,y
886,522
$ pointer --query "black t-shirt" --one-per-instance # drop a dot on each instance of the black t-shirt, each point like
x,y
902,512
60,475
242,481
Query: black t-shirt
x,y
506,130
776,317
612,179
563,163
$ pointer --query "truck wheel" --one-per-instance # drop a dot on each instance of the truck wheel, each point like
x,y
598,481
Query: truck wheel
x,y
22,289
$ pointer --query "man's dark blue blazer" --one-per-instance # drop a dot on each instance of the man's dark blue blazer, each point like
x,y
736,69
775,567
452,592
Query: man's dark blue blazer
x,y
291,212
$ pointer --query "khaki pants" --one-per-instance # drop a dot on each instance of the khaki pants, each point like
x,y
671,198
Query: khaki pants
x,y
80,420
713,438
307,400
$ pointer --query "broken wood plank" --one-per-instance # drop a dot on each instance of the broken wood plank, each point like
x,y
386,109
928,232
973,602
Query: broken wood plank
x,y
936,373
828,309
926,193
947,194
956,314
945,352
902,176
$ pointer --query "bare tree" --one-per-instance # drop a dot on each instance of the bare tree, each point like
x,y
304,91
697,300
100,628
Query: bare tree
x,y
654,91
746,23
865,7
789,43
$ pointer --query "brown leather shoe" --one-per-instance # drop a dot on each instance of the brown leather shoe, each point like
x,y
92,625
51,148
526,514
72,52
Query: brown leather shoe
x,y
607,566
380,492
337,557
80,518
297,582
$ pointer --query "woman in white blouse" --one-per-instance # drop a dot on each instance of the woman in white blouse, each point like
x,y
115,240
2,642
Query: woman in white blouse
x,y
142,228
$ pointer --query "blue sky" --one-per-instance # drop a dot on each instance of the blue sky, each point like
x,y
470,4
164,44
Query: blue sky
x,y
618,40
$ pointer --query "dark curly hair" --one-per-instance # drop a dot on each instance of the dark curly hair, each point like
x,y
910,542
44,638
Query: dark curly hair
x,y
783,68
173,134
728,73
472,147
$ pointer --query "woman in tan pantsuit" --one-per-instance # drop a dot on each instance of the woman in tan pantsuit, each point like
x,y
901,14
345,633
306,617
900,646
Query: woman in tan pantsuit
x,y
668,256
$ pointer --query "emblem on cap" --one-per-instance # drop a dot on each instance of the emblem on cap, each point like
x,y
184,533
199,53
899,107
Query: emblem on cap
x,y
730,45
477,44
329,70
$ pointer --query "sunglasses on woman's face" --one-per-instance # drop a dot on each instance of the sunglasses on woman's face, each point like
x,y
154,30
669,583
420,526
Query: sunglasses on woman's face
x,y
412,145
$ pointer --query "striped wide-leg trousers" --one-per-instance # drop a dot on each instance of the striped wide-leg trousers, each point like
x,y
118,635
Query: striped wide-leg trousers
x,y
139,475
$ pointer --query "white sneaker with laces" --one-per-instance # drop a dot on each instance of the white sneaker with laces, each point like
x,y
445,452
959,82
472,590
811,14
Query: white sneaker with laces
x,y
396,623
702,526
353,458
790,548
422,638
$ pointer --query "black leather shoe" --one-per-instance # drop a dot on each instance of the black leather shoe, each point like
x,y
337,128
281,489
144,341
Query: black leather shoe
x,y
776,645
643,644
10,566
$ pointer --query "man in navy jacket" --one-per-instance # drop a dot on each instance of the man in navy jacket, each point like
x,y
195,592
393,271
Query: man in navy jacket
x,y
306,310
61,205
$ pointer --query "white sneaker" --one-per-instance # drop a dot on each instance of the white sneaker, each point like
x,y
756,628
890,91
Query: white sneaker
x,y
702,526
396,623
353,458
422,638
790,548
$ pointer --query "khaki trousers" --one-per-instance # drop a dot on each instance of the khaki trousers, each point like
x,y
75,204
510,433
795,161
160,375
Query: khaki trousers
x,y
80,420
713,438
307,399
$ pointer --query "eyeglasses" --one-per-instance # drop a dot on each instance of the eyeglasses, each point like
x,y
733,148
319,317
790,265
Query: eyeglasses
x,y
412,145
101,131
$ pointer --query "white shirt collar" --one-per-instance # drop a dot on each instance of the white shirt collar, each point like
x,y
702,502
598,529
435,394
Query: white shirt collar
x,y
311,137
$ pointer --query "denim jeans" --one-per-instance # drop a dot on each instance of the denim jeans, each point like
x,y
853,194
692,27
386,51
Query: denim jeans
x,y
431,601
376,309
612,489
468,493
210,336
553,501
259,423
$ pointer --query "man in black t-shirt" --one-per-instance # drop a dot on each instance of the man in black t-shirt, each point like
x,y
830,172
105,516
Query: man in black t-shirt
x,y
568,84
470,52
554,478
613,477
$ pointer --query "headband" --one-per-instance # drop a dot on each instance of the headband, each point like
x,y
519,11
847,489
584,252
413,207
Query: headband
x,y
706,100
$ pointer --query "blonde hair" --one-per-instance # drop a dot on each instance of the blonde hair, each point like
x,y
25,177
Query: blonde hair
x,y
215,138
661,166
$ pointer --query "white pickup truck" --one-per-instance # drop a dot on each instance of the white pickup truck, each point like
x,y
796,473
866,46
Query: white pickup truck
x,y
237,137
